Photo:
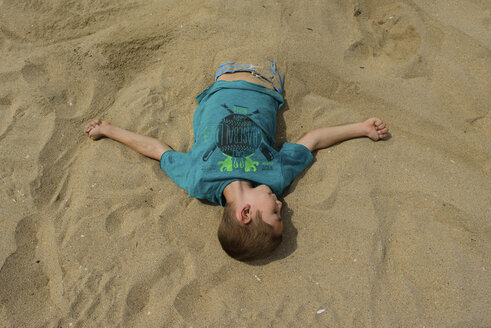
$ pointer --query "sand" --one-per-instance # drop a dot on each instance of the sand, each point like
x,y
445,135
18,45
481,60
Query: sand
x,y
387,234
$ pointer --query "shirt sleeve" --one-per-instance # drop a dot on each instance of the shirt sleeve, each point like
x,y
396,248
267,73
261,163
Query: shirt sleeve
x,y
177,167
294,159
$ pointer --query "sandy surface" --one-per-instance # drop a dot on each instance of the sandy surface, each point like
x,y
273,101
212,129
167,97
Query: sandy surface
x,y
387,234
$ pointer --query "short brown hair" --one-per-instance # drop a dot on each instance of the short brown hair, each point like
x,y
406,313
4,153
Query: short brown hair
x,y
246,242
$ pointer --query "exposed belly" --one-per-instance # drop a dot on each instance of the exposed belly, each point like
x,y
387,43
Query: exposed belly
x,y
245,76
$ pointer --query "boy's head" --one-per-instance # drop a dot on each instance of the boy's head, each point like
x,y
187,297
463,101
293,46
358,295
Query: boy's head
x,y
251,228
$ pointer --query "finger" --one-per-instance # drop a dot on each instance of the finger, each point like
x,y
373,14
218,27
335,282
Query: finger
x,y
383,131
380,126
379,123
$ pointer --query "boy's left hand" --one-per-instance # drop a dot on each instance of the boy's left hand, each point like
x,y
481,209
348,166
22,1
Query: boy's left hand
x,y
376,129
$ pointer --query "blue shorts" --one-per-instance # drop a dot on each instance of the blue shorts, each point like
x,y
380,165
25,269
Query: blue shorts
x,y
277,80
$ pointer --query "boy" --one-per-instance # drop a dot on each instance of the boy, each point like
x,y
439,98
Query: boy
x,y
233,162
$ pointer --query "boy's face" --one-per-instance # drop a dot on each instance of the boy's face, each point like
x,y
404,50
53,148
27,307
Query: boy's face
x,y
266,202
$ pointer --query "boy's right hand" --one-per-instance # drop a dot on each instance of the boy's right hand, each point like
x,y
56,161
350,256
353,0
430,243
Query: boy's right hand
x,y
95,129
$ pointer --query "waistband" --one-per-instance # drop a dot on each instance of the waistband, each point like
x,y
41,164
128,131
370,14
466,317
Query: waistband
x,y
277,79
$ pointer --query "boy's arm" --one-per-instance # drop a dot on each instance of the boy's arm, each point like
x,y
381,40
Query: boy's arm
x,y
373,128
147,146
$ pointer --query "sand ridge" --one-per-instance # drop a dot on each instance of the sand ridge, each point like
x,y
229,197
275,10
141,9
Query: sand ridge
x,y
386,234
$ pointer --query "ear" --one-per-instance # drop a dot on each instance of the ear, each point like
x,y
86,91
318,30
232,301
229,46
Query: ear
x,y
245,214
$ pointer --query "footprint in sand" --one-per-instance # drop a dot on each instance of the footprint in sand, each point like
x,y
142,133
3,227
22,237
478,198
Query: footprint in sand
x,y
197,300
125,219
35,74
137,298
396,36
69,95
386,32
24,283
167,275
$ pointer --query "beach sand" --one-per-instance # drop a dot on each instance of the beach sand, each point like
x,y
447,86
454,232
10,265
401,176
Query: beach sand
x,y
377,234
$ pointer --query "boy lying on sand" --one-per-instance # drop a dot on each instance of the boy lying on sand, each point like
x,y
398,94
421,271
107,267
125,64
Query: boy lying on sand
x,y
233,162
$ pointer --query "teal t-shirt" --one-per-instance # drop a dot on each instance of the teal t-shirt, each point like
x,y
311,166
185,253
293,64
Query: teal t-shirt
x,y
234,126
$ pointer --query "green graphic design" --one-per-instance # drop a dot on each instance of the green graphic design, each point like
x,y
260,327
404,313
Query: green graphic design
x,y
229,163
240,110
250,164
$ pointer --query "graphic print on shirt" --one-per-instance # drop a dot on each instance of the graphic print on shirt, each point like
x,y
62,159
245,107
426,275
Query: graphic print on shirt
x,y
239,138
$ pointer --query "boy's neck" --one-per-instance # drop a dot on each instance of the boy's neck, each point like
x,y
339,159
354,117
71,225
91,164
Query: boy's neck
x,y
236,190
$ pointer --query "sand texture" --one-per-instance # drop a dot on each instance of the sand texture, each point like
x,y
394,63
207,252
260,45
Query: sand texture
x,y
377,234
